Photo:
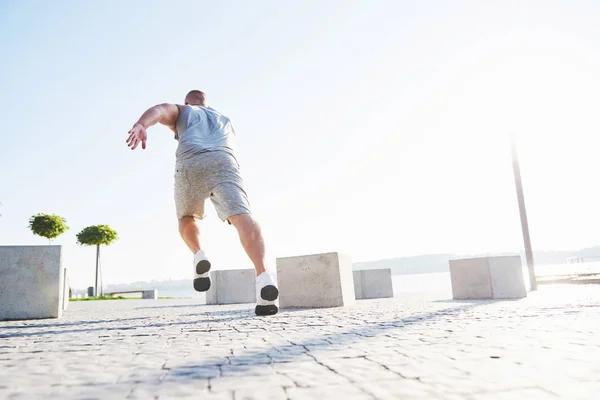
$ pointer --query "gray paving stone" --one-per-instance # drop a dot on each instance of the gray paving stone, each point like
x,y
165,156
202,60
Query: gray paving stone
x,y
246,370
266,393
399,389
524,393
175,389
250,382
544,346
359,369
329,392
310,374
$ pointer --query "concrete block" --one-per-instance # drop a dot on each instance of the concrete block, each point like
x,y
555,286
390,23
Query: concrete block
x,y
373,283
233,286
151,294
507,278
31,282
487,278
317,280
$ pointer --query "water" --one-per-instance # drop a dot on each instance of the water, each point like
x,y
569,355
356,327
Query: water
x,y
437,282
417,283
420,283
441,283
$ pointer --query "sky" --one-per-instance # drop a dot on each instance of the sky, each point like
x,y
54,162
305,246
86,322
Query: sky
x,y
374,128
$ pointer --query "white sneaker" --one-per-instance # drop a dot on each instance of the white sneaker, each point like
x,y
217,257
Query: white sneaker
x,y
266,294
201,272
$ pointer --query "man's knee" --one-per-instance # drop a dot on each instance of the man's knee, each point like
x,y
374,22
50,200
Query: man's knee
x,y
245,223
239,220
184,222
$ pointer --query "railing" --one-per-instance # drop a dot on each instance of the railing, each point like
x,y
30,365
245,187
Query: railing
x,y
580,259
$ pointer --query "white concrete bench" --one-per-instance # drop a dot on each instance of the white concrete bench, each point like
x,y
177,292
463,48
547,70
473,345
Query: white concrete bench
x,y
147,294
487,278
373,283
317,280
32,282
234,286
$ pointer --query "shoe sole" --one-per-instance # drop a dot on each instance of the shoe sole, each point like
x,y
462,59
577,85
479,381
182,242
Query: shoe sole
x,y
202,267
270,309
202,284
269,293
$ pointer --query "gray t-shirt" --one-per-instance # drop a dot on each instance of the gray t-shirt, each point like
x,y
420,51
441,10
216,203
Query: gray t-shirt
x,y
202,129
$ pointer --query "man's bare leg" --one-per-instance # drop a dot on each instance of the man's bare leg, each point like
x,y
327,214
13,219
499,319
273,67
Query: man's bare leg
x,y
252,241
189,233
191,236
251,238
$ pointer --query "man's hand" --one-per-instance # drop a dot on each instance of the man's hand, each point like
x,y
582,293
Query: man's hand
x,y
165,114
137,134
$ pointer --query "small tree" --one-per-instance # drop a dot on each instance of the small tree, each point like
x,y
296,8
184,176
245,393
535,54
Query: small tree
x,y
48,226
97,235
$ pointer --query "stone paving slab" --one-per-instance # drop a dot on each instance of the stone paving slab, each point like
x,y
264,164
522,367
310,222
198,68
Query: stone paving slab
x,y
546,346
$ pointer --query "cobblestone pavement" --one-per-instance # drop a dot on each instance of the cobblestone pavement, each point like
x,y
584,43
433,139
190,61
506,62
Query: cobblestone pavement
x,y
543,347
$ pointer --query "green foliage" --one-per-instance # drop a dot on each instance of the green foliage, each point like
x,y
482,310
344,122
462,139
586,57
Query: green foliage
x,y
105,297
96,235
108,297
48,226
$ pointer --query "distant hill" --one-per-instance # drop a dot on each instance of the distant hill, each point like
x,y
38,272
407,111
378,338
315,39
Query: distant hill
x,y
421,264
430,263
410,265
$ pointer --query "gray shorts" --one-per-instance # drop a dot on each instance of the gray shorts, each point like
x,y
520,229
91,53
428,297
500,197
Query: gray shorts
x,y
215,175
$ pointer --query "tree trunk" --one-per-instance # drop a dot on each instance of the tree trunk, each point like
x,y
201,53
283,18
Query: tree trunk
x,y
97,263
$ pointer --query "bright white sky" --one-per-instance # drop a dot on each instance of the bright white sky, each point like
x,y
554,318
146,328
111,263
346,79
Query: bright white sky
x,y
375,128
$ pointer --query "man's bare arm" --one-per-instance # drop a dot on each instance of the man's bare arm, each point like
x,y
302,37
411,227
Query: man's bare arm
x,y
165,114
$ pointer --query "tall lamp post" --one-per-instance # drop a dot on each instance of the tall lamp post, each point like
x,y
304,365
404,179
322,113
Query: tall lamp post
x,y
523,213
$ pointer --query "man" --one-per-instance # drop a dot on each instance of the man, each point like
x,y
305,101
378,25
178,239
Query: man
x,y
206,167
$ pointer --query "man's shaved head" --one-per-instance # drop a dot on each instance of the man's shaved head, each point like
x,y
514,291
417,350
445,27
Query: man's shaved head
x,y
195,98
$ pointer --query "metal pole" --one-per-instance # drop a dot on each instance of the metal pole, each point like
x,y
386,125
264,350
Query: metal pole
x,y
101,276
97,259
523,212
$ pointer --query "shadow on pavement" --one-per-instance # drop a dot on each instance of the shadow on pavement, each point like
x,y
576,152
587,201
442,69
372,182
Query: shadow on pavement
x,y
119,328
98,321
475,301
171,306
251,362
